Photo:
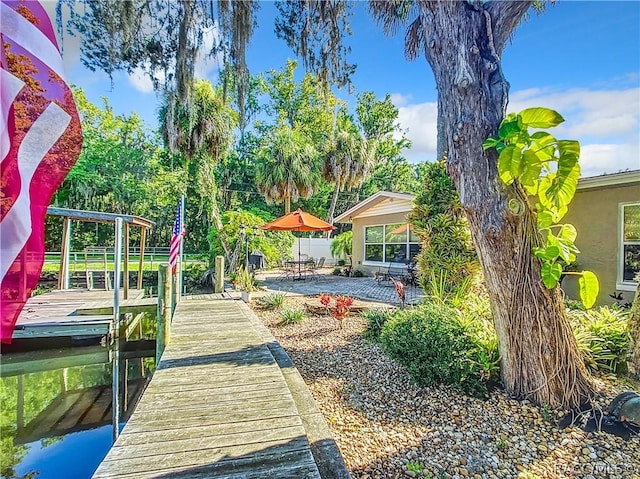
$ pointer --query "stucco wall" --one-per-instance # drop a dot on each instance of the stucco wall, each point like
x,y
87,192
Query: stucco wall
x,y
594,213
358,236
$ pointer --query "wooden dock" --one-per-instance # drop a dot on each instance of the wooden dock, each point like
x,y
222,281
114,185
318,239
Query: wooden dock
x,y
220,405
53,314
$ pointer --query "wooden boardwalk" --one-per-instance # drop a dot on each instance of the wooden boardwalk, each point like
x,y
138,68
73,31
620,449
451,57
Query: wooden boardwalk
x,y
218,406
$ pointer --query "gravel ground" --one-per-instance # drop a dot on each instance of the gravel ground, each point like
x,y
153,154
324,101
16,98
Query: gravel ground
x,y
387,427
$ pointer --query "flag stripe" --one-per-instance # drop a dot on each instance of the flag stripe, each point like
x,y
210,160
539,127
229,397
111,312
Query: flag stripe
x,y
31,38
176,237
15,227
11,86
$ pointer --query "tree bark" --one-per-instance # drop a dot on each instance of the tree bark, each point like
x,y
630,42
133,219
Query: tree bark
x,y
463,43
287,205
634,329
332,208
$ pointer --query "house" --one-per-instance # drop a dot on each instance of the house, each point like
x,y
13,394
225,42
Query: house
x,y
606,214
381,234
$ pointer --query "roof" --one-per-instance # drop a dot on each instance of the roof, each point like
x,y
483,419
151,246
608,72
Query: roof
x,y
614,179
404,205
99,217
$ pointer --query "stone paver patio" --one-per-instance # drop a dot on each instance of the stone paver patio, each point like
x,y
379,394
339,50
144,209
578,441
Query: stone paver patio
x,y
361,288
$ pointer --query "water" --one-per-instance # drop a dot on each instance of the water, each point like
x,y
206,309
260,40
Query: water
x,y
56,419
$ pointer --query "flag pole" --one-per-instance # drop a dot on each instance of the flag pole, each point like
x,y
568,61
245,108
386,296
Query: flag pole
x,y
182,226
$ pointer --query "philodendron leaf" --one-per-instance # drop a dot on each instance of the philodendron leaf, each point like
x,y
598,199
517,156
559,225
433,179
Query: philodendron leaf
x,y
568,233
551,274
549,253
490,142
510,164
540,117
509,127
589,288
545,218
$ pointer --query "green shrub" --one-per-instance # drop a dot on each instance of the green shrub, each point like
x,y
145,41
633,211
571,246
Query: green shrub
x,y
271,301
376,318
358,274
435,347
291,316
603,337
337,271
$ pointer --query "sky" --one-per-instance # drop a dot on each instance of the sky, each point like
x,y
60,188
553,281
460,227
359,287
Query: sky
x,y
581,58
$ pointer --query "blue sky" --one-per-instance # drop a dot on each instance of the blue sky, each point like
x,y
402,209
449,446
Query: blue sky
x,y
580,58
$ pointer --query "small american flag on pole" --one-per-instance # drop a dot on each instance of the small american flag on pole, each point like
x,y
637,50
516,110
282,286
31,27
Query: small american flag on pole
x,y
176,238
40,140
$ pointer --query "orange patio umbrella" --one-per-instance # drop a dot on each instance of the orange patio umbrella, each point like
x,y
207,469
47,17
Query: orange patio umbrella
x,y
402,229
298,221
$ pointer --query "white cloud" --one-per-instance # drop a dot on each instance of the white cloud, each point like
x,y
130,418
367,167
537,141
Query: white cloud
x,y
419,121
606,122
398,99
140,80
597,159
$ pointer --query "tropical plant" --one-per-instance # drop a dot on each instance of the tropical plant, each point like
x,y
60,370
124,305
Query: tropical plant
x,y
285,170
348,158
376,319
603,337
447,261
272,301
292,316
245,280
436,348
342,247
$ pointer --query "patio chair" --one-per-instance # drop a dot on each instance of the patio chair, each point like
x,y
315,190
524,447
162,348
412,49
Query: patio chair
x,y
286,270
311,268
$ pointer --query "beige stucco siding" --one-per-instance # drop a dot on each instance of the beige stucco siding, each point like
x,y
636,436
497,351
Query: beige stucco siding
x,y
358,236
595,214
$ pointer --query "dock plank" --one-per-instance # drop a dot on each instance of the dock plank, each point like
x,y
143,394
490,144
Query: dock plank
x,y
53,314
218,406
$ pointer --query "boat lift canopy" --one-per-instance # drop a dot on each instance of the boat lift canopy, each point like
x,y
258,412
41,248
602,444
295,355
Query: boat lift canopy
x,y
99,217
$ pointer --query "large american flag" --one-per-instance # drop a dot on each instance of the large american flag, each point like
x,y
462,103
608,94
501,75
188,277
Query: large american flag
x,y
40,139
176,238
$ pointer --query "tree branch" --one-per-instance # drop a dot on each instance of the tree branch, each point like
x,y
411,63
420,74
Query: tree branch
x,y
506,17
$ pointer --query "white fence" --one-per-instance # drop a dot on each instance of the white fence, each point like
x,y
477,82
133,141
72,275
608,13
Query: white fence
x,y
314,248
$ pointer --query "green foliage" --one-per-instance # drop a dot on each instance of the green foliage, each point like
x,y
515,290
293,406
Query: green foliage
x,y
342,245
272,301
439,222
376,319
414,466
245,280
358,274
273,244
436,347
548,170
292,316
337,271
603,337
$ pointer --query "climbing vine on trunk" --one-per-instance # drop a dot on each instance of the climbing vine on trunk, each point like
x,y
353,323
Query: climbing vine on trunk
x,y
548,169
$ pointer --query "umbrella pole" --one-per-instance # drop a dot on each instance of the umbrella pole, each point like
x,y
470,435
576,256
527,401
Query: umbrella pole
x,y
299,258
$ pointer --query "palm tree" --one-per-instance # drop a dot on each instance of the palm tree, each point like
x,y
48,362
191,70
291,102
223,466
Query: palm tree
x,y
348,158
286,167
203,133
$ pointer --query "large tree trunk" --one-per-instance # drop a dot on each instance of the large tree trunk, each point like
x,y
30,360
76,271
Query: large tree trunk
x,y
634,329
463,43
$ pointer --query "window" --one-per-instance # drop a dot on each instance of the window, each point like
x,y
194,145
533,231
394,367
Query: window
x,y
393,243
630,242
